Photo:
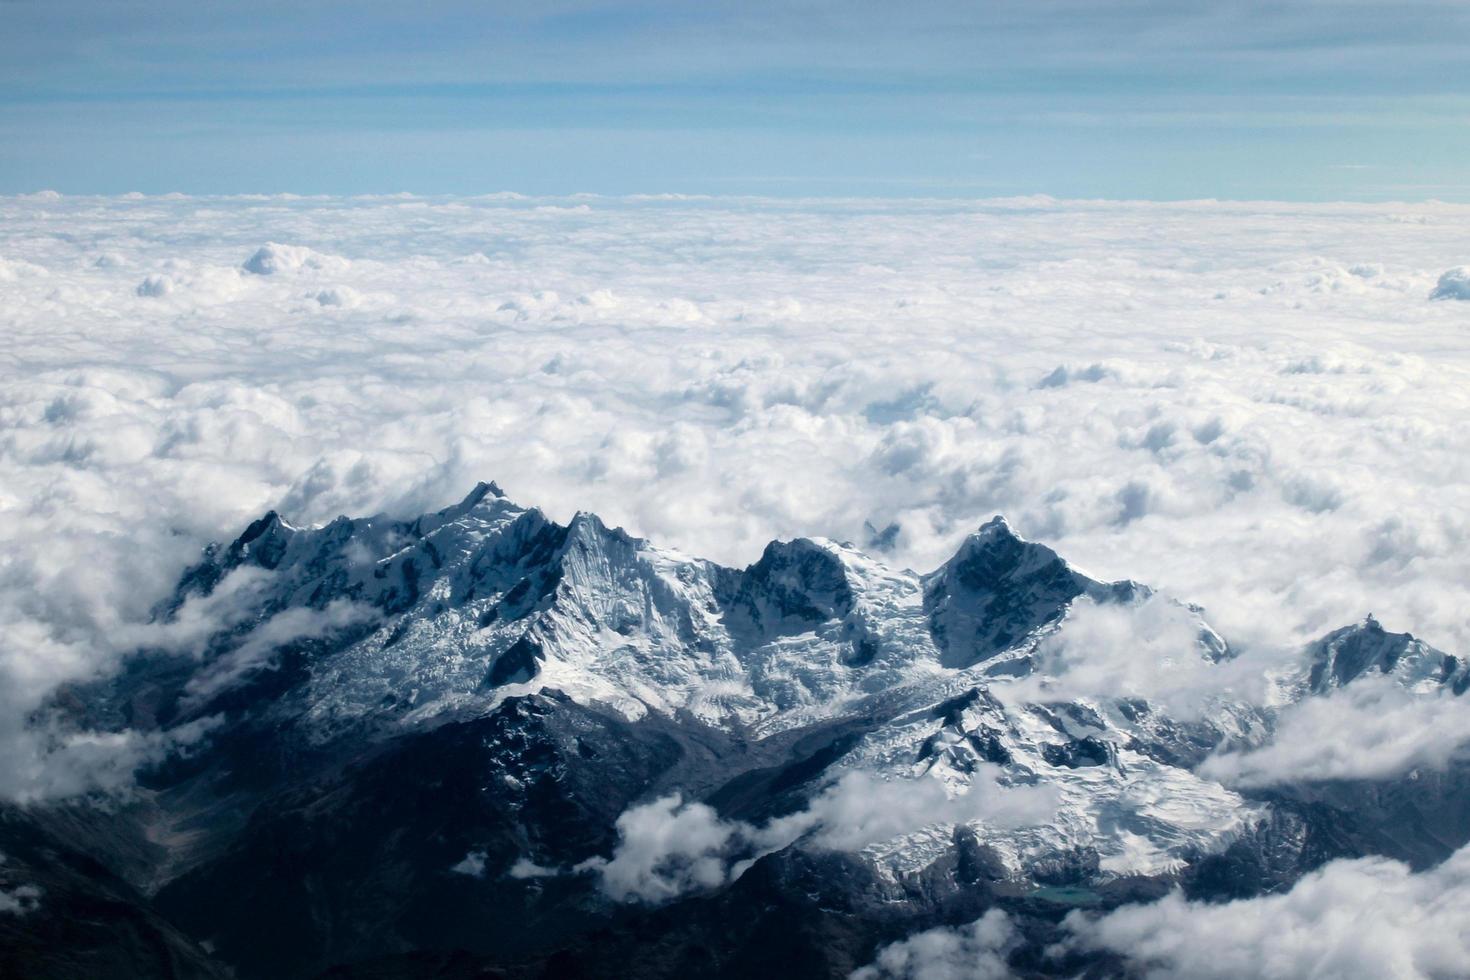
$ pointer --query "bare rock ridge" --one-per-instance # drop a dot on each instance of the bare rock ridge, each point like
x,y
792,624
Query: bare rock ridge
x,y
1362,648
1000,588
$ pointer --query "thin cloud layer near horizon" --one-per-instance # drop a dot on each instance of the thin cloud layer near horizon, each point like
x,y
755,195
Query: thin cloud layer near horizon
x,y
1318,100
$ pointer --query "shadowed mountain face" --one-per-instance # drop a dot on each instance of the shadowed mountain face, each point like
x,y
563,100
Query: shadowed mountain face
x,y
433,748
1000,589
1367,648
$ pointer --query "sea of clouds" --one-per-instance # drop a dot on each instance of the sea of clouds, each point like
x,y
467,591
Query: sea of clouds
x,y
1256,407
1363,919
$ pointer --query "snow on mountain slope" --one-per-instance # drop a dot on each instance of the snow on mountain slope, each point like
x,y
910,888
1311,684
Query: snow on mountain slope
x,y
1367,648
481,698
488,600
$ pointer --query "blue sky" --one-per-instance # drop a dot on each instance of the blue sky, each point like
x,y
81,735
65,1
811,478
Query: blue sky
x,y
1310,100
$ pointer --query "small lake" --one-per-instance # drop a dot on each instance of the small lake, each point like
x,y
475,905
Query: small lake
x,y
1066,895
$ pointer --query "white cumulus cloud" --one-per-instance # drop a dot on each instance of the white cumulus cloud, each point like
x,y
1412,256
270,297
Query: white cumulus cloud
x,y
1157,390
669,847
1362,919
1152,649
1453,284
1371,729
973,952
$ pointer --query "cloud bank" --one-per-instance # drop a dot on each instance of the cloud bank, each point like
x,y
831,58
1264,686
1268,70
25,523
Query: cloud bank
x,y
1371,729
669,847
1351,920
1255,407
973,952
1454,284
1151,650
1361,919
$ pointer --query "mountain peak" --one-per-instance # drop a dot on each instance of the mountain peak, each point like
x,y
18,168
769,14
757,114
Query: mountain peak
x,y
481,491
996,551
999,589
259,527
263,542
795,584
479,495
587,522
1366,647
997,526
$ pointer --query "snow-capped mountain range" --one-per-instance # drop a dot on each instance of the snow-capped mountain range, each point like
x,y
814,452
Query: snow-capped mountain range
x,y
482,740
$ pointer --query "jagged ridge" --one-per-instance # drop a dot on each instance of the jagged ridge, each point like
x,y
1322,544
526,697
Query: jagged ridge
x,y
388,696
